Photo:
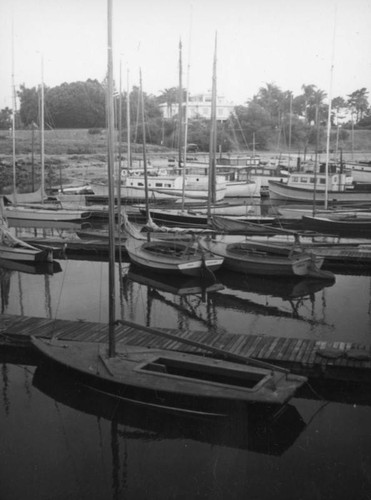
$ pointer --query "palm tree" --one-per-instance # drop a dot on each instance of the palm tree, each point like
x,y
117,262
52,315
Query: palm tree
x,y
359,102
169,96
312,99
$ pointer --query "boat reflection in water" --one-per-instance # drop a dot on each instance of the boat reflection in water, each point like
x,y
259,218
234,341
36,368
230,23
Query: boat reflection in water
x,y
178,285
9,268
257,430
30,268
296,291
230,291
284,288
187,296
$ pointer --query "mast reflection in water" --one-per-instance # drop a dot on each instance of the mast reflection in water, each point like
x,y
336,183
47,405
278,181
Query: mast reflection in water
x,y
61,441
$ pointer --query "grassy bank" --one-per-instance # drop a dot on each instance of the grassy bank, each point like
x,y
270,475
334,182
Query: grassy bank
x,y
70,155
79,155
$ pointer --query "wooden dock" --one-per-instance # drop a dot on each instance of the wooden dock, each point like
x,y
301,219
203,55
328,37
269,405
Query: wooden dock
x,y
358,255
336,255
313,358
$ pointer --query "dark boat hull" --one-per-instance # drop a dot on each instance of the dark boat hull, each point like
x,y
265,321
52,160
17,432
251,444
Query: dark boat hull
x,y
168,379
351,226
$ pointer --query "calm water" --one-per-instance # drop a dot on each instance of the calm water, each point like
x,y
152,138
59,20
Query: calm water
x,y
60,442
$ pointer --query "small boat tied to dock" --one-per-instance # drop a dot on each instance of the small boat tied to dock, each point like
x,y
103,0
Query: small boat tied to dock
x,y
312,358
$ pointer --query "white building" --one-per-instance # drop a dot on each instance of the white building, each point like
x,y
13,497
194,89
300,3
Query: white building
x,y
200,105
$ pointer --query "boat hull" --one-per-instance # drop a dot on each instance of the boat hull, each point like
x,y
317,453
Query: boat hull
x,y
198,216
242,189
164,256
247,258
23,254
172,379
160,188
282,191
347,225
27,214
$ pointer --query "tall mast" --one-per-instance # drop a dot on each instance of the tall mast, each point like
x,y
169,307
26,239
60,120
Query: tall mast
x,y
329,113
144,147
180,104
119,174
290,130
212,148
13,120
128,121
111,197
186,116
42,129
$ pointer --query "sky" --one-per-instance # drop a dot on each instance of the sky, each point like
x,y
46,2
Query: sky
x,y
290,43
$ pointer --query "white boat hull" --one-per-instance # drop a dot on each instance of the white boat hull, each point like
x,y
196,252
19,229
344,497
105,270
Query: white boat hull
x,y
164,187
37,214
242,189
281,191
179,262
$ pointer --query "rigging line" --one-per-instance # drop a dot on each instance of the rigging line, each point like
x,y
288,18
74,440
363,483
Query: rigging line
x,y
60,289
20,293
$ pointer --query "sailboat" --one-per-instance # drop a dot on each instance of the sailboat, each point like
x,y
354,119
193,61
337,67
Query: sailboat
x,y
171,380
15,249
198,214
260,434
30,206
173,254
250,257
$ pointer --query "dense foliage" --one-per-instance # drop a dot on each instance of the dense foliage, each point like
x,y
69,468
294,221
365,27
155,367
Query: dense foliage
x,y
271,117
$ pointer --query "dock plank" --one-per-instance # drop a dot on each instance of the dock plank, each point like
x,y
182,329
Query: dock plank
x,y
293,353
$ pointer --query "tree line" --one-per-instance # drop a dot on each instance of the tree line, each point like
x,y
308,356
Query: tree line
x,y
271,116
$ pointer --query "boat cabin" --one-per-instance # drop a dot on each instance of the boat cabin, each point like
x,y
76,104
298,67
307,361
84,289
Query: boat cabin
x,y
238,160
308,180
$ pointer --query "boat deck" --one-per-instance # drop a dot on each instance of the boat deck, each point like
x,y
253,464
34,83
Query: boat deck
x,y
316,359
